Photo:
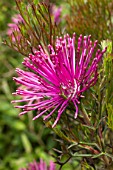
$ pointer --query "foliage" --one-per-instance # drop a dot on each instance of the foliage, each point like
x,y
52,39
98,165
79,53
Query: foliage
x,y
91,18
37,28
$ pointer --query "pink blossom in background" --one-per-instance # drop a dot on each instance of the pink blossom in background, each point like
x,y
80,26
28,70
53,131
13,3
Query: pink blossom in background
x,y
56,11
57,79
13,27
40,166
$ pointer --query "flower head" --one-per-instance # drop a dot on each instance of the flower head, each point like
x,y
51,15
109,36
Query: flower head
x,y
39,166
59,78
14,27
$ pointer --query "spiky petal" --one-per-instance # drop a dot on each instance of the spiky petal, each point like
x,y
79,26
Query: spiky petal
x,y
40,166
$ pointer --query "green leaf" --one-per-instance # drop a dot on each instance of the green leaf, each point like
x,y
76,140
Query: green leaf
x,y
18,125
82,155
6,89
26,143
90,144
89,127
110,116
98,155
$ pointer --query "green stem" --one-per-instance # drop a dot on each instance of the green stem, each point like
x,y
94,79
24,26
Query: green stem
x,y
85,115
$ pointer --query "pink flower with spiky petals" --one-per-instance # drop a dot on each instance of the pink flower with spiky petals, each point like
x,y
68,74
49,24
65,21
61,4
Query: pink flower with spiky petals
x,y
56,11
57,79
14,27
40,166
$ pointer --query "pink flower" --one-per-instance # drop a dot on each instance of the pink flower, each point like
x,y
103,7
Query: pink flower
x,y
13,27
40,166
56,13
59,78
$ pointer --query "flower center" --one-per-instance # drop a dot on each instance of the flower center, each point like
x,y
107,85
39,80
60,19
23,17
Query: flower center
x,y
68,90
